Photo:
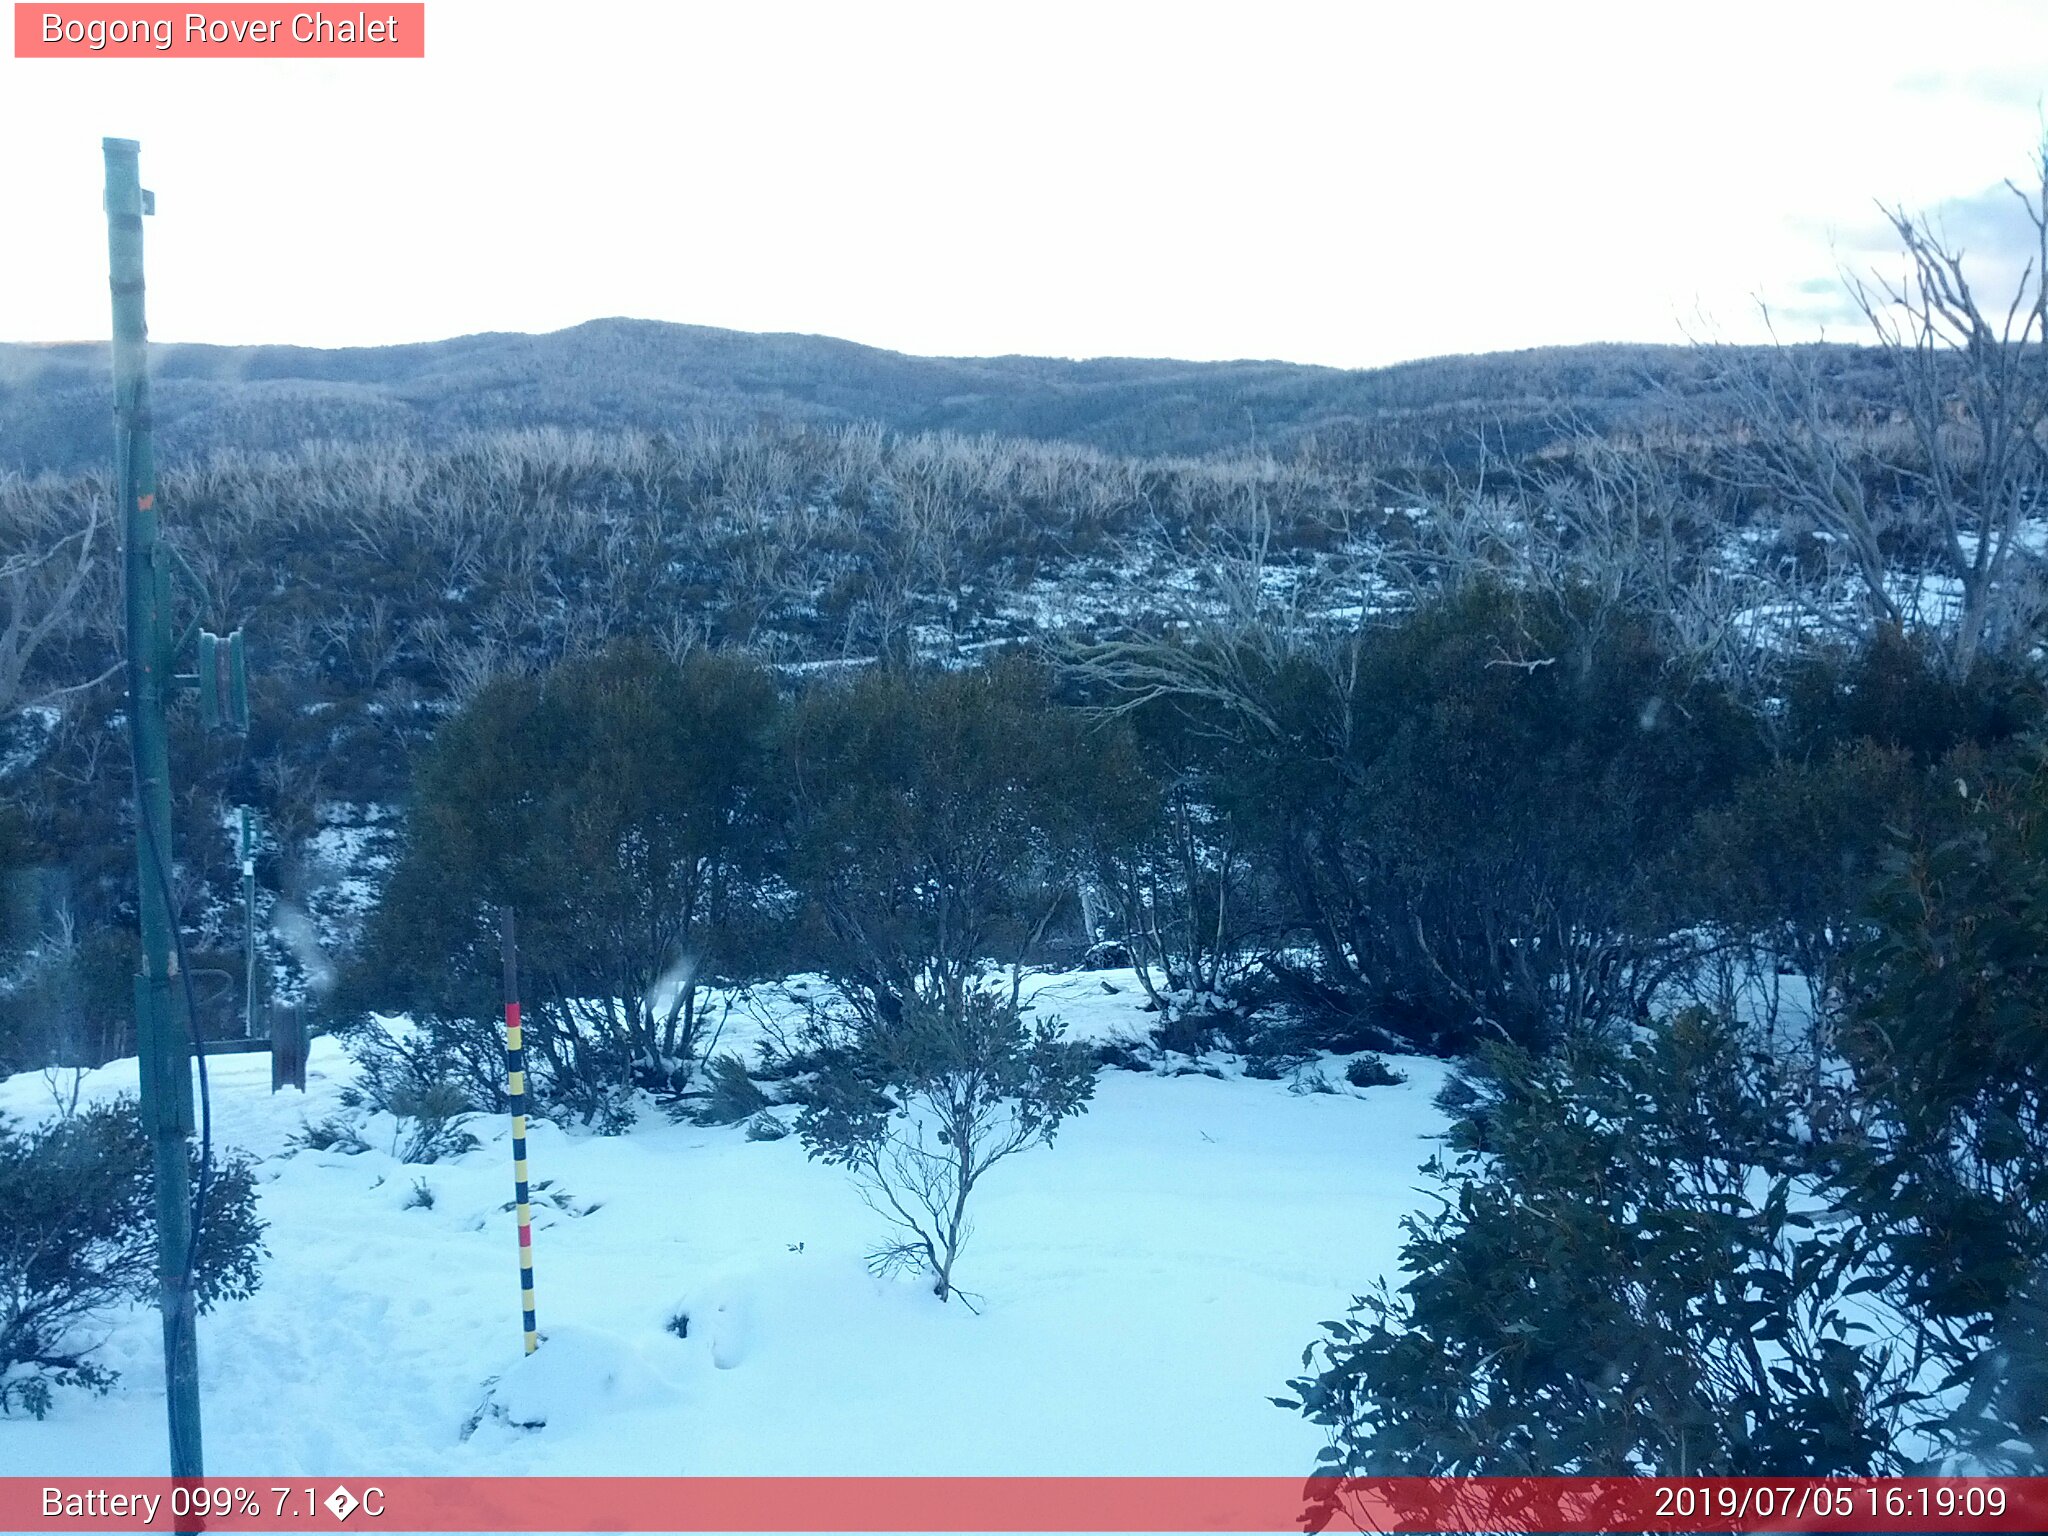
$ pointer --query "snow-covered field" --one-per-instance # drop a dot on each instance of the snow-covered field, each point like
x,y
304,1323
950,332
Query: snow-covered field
x,y
1143,1286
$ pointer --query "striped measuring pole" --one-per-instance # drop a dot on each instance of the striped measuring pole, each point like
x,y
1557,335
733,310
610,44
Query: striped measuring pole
x,y
515,1090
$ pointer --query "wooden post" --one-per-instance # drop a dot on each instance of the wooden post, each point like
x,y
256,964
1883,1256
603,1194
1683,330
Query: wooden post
x,y
288,1047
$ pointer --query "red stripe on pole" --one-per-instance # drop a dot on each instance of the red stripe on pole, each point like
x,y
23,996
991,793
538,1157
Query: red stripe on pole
x,y
525,1235
1052,1504
512,1015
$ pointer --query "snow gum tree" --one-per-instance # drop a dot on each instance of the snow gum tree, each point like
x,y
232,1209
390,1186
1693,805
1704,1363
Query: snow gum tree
x,y
1949,473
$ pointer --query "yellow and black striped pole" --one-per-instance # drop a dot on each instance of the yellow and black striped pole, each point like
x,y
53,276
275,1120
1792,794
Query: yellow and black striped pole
x,y
515,1089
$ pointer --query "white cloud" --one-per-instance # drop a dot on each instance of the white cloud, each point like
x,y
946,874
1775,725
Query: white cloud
x,y
1341,183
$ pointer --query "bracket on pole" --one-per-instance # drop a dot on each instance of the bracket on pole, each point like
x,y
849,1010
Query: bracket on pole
x,y
222,682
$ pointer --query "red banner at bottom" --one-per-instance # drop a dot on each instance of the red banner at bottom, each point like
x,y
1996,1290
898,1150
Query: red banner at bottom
x,y
1063,1504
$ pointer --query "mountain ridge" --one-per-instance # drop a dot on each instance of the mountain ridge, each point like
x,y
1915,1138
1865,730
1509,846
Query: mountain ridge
x,y
624,373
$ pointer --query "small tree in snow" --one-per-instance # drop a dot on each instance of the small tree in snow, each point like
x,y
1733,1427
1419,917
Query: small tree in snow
x,y
920,1108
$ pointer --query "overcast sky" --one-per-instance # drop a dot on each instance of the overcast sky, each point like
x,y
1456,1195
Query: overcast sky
x,y
1335,183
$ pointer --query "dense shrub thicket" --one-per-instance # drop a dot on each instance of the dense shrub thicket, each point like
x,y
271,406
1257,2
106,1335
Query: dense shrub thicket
x,y
383,586
1467,814
1502,816
386,578
939,821
71,1004
1676,1237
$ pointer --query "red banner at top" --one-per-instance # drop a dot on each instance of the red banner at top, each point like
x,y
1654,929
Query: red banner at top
x,y
378,31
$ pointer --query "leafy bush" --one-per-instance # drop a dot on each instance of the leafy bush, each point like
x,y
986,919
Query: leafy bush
x,y
1894,692
1462,811
426,1082
939,820
1178,876
1372,1072
1786,867
396,1061
78,1238
620,804
919,1109
731,1094
1126,1055
1627,1275
1948,1161
334,1134
431,1122
1522,763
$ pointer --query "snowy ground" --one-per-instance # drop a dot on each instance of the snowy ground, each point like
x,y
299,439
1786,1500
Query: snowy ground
x,y
1144,1286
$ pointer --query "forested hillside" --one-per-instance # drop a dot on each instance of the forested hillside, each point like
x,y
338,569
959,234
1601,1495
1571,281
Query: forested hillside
x,y
614,374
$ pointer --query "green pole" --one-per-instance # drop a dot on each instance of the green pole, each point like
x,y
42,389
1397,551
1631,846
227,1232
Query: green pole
x,y
160,1038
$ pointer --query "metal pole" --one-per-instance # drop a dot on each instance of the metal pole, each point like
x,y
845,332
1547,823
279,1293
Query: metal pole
x,y
160,1036
515,1088
247,850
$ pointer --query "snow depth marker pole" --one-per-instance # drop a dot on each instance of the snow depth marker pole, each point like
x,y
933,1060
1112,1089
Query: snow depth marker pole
x,y
515,1089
